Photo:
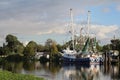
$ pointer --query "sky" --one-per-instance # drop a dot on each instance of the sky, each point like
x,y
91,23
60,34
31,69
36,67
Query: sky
x,y
39,20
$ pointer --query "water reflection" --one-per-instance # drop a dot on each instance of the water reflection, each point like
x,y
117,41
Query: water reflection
x,y
57,71
29,65
12,66
79,72
115,72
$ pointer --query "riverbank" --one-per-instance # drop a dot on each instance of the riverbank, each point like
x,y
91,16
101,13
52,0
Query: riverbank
x,y
5,75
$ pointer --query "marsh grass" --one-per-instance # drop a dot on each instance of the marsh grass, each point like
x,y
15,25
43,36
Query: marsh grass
x,y
5,75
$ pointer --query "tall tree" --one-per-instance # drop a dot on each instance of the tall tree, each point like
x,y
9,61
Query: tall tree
x,y
54,49
30,49
40,48
48,44
11,42
115,44
13,45
1,51
59,47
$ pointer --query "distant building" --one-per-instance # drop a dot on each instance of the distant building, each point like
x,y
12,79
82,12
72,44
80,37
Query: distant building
x,y
41,54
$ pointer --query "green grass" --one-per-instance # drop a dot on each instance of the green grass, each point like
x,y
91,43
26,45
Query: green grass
x,y
5,75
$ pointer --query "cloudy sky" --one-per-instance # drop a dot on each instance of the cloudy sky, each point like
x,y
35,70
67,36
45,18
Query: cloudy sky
x,y
39,20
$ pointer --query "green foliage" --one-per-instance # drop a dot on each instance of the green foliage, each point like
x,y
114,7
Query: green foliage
x,y
10,39
5,75
48,45
98,47
1,60
48,42
30,49
11,42
15,57
1,50
54,49
6,50
13,45
59,47
106,47
40,48
115,45
67,44
19,49
56,58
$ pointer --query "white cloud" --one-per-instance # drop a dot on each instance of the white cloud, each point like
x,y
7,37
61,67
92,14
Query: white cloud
x,y
57,29
24,26
47,16
101,31
105,33
54,31
25,43
118,8
27,26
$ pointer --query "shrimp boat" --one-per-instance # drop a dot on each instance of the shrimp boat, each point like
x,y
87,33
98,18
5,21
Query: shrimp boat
x,y
83,56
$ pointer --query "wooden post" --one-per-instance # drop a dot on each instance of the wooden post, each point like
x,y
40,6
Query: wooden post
x,y
106,57
109,60
105,61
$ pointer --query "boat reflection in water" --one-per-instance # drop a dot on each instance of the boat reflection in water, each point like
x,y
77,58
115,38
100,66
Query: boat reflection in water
x,y
92,72
80,72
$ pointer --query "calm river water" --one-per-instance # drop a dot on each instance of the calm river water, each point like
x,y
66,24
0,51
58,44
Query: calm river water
x,y
51,71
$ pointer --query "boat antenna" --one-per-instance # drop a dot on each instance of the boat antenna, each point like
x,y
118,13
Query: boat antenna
x,y
71,16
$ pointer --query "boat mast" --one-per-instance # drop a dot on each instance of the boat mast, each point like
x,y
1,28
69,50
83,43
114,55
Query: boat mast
x,y
88,24
71,16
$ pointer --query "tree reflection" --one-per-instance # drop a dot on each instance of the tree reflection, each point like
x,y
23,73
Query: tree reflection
x,y
29,65
54,68
115,72
15,67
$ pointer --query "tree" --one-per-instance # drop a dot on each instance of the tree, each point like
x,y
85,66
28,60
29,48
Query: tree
x,y
19,49
51,46
11,42
106,47
13,45
48,45
54,49
59,47
115,44
68,44
30,49
1,51
40,48
6,50
98,47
